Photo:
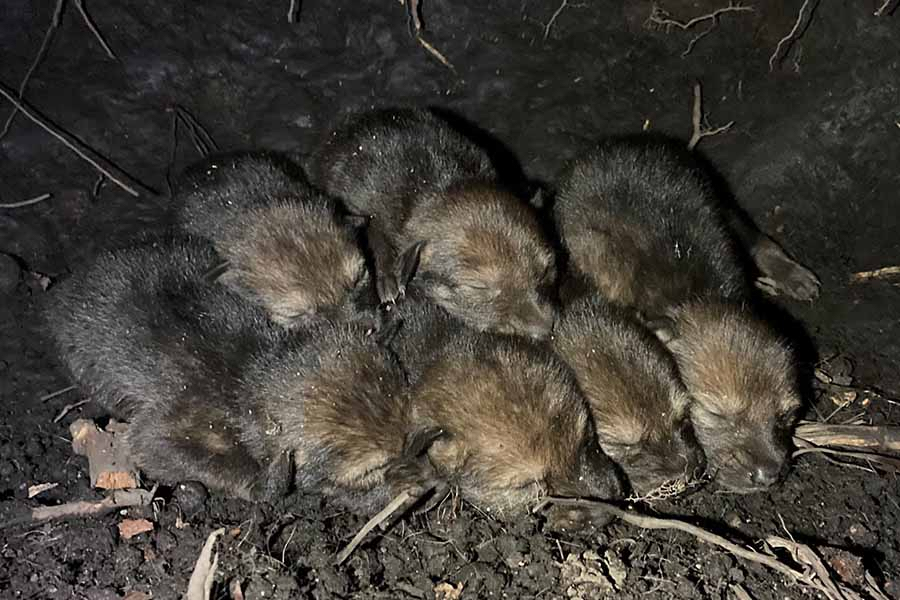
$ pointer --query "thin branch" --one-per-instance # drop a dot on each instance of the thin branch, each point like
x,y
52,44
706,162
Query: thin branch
x,y
57,393
435,52
371,524
116,500
801,17
28,202
79,4
62,137
68,408
885,8
700,129
45,45
292,12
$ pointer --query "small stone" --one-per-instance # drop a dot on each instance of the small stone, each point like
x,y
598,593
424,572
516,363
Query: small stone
x,y
191,498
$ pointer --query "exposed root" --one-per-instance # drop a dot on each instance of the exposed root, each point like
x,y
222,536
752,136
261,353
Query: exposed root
x,y
79,4
660,18
803,19
813,572
73,145
701,130
28,202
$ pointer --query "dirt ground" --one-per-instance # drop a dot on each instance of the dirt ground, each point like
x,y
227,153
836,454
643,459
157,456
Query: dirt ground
x,y
809,157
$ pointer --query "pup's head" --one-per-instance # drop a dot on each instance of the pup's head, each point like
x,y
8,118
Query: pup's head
x,y
301,262
487,261
640,407
517,427
741,376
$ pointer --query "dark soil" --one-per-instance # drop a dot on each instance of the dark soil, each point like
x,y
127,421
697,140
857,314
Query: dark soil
x,y
809,157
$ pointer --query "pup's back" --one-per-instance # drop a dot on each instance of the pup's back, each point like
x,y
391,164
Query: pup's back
x,y
643,226
145,319
378,162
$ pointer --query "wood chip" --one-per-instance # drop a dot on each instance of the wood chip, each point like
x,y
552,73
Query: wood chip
x,y
40,488
447,591
132,527
110,466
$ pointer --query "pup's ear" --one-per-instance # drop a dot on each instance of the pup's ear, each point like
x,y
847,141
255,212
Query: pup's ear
x,y
419,441
538,199
408,263
219,272
355,221
663,328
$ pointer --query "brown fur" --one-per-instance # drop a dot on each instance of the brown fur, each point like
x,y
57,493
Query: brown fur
x,y
338,404
286,245
741,376
516,426
486,260
296,273
639,405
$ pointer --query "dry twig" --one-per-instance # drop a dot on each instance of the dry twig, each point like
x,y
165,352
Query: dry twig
x,y
882,273
886,8
116,500
71,144
701,130
878,438
812,577
28,202
68,408
57,393
371,524
795,31
292,12
42,51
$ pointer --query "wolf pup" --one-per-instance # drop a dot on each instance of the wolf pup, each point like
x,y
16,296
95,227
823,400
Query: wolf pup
x,y
643,227
429,191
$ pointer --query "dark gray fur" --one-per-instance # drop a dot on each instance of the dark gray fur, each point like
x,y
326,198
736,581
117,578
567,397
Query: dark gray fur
x,y
484,257
641,224
288,246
